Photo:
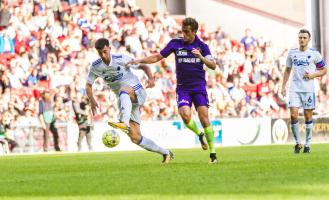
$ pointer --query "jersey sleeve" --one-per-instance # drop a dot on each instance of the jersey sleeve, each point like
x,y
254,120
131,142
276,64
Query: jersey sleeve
x,y
206,52
91,76
289,61
319,62
126,59
165,52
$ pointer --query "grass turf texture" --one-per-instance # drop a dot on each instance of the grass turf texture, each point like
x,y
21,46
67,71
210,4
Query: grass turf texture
x,y
253,172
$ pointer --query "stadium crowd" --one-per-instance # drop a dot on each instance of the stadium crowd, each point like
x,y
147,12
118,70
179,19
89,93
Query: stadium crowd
x,y
47,45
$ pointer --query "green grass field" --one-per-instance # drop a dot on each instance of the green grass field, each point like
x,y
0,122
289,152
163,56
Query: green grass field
x,y
253,172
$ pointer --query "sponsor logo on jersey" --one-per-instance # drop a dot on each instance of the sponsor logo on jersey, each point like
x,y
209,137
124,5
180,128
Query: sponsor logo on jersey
x,y
113,78
181,52
189,60
301,62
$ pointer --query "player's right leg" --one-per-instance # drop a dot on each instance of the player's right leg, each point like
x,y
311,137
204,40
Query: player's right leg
x,y
295,102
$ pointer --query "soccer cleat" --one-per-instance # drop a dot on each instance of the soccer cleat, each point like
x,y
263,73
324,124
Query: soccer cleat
x,y
120,125
167,157
213,158
202,139
307,150
298,147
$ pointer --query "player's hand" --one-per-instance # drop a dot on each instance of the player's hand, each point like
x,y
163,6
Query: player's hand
x,y
150,83
307,76
94,106
196,52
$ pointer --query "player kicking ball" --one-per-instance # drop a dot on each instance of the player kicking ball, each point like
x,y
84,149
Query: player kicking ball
x,y
307,64
131,95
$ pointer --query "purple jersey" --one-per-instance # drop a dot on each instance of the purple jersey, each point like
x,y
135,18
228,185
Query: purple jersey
x,y
189,68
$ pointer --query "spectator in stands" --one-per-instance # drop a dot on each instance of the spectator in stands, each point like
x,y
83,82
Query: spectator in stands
x,y
82,112
6,129
248,40
6,43
47,119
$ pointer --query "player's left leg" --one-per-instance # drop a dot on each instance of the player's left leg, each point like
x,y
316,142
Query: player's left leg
x,y
209,131
309,102
308,129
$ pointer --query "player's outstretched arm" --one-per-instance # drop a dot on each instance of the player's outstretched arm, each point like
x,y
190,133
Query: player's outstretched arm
x,y
147,71
93,103
148,60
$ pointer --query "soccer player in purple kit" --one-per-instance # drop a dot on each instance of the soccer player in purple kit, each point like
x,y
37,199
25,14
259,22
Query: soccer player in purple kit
x,y
191,54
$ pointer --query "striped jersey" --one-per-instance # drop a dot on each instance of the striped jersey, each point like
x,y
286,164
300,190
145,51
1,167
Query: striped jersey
x,y
116,74
302,62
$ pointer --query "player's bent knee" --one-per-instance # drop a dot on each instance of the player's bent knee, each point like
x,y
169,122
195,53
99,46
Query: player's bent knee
x,y
186,117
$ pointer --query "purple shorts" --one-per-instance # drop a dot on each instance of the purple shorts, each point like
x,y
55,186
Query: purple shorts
x,y
186,98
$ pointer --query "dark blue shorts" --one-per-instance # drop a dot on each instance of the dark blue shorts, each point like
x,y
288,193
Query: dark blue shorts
x,y
186,98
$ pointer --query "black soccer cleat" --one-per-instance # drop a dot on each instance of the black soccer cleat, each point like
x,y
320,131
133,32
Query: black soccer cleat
x,y
203,141
167,157
298,147
307,150
213,158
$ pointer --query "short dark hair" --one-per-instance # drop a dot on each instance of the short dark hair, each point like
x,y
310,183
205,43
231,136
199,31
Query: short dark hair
x,y
101,43
191,22
305,31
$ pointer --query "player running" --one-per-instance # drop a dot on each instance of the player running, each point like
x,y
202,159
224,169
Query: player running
x,y
191,55
116,73
307,64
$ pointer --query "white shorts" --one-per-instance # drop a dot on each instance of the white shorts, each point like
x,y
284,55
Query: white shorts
x,y
306,100
135,114
141,96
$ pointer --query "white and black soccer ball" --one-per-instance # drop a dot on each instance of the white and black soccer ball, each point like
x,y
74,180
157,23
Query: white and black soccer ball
x,y
111,138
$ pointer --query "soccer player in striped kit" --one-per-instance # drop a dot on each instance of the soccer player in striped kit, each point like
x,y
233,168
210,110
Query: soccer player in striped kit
x,y
115,71
307,64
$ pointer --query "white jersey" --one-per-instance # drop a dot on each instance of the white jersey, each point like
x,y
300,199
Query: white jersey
x,y
116,74
303,62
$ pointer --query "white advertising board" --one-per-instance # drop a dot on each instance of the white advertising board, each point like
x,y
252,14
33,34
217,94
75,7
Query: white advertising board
x,y
246,131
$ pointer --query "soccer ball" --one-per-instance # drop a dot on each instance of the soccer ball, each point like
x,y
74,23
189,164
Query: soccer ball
x,y
111,138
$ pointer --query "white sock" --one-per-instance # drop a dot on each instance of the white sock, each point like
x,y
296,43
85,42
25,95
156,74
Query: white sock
x,y
125,107
308,131
151,146
295,131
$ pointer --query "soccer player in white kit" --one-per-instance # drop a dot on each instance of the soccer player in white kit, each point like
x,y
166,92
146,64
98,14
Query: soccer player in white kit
x,y
307,64
131,95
